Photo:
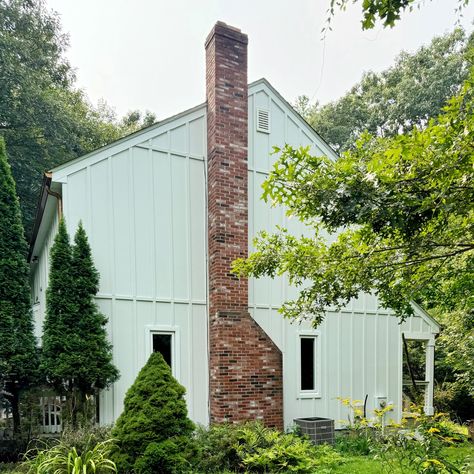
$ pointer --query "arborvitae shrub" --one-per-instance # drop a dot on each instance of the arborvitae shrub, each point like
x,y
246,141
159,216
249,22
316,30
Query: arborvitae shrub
x,y
18,356
76,356
154,413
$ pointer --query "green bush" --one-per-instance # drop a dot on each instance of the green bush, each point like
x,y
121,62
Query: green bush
x,y
440,428
11,468
359,444
253,448
217,448
172,456
455,398
154,412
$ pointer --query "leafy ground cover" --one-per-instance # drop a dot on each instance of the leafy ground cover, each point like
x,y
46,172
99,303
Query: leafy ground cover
x,y
463,455
155,436
352,464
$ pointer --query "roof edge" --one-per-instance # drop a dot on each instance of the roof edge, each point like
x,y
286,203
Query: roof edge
x,y
42,200
267,83
127,137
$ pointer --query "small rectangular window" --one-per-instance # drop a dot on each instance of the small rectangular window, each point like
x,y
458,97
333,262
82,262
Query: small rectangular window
x,y
162,343
308,366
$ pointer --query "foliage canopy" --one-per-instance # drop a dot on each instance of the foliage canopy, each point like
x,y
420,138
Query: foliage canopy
x,y
404,210
386,11
395,100
44,119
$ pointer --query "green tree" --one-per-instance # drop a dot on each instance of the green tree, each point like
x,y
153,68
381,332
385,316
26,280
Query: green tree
x,y
18,366
393,101
154,417
454,360
60,313
136,120
77,358
404,210
92,364
44,118
386,11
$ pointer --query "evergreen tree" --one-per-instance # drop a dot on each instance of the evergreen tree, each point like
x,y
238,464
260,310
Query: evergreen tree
x,y
154,414
77,358
60,312
18,366
92,364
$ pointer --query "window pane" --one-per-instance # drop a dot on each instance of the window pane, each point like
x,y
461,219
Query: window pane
x,y
307,363
162,343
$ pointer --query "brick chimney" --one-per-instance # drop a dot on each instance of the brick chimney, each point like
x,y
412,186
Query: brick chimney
x,y
245,380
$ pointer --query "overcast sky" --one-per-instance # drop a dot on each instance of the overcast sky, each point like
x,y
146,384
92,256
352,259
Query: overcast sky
x,y
149,54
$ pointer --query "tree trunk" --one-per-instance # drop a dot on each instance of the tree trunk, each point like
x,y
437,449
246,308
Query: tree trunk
x,y
14,400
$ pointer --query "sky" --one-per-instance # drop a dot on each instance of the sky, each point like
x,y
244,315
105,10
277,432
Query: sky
x,y
149,54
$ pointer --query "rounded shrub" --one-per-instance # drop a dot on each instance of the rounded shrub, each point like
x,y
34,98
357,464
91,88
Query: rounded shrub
x,y
154,421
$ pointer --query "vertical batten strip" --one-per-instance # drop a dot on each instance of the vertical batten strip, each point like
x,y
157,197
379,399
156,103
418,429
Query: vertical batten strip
x,y
172,263
134,253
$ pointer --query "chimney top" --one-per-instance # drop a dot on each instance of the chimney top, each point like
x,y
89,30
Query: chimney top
x,y
223,29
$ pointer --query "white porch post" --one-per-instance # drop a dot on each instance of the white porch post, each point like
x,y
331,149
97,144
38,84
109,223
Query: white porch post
x,y
429,377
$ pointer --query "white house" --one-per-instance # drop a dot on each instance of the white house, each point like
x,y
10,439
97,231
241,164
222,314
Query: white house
x,y
166,210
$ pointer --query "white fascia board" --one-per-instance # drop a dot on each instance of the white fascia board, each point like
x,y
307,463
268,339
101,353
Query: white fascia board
x,y
61,172
264,85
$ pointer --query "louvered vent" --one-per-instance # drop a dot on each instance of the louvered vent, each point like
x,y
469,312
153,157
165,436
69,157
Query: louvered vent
x,y
263,120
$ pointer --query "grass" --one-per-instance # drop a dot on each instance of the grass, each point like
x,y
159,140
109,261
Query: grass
x,y
369,465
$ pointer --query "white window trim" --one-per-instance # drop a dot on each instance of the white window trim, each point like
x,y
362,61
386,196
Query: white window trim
x,y
316,334
173,331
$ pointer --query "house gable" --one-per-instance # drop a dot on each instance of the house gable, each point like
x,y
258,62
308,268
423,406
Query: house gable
x,y
183,134
285,126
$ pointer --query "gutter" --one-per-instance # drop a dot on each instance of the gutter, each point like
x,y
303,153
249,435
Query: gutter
x,y
43,198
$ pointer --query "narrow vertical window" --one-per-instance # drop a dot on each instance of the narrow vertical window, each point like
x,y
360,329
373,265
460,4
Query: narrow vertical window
x,y
307,368
162,343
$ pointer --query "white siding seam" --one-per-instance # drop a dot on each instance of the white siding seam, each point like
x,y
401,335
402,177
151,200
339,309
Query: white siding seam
x,y
376,359
153,196
332,310
149,299
134,253
364,357
113,270
189,341
191,156
351,352
89,204
172,235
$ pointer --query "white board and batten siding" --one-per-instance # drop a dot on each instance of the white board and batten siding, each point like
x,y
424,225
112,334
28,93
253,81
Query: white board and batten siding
x,y
358,350
142,203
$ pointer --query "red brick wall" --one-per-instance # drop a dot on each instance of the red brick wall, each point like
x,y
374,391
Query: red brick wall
x,y
245,365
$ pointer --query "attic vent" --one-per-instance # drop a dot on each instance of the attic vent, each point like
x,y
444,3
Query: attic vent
x,y
263,120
